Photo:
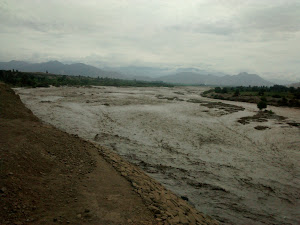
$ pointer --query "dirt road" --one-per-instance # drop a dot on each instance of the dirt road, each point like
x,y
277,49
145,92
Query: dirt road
x,y
192,145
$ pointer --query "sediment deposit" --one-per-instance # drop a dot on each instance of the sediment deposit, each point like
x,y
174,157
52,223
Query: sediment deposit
x,y
194,146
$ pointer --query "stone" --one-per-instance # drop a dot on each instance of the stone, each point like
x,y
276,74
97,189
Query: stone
x,y
18,223
154,209
3,190
183,218
174,220
185,198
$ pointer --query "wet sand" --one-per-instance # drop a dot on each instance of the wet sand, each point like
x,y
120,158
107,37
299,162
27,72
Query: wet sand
x,y
193,146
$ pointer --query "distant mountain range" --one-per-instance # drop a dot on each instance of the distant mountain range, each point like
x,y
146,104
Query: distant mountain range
x,y
242,79
57,67
155,72
295,85
186,76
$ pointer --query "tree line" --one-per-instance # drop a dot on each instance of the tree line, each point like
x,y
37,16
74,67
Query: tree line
x,y
24,79
278,95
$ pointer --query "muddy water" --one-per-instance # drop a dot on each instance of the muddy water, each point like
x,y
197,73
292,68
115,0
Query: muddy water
x,y
193,146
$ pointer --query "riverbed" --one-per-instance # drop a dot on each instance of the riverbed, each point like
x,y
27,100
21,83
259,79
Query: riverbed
x,y
194,146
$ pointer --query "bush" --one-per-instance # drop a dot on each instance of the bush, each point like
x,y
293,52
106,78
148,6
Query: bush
x,y
263,99
218,89
236,93
224,90
276,96
261,92
262,105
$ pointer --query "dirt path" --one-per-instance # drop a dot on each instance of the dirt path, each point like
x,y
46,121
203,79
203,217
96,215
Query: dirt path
x,y
48,176
194,146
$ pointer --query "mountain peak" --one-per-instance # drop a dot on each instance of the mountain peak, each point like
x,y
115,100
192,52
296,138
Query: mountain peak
x,y
54,62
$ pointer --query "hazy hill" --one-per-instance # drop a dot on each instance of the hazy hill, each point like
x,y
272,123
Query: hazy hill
x,y
140,71
295,85
280,81
242,79
154,72
56,67
189,78
169,75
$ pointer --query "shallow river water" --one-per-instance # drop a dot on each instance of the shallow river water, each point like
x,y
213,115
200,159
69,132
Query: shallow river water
x,y
192,145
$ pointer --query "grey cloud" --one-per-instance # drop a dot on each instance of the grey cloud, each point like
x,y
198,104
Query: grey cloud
x,y
269,19
227,35
282,18
220,28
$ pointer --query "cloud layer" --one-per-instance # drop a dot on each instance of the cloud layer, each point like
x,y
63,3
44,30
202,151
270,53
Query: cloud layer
x,y
259,36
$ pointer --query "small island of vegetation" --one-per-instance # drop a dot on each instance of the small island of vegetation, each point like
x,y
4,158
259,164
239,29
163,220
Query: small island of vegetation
x,y
276,95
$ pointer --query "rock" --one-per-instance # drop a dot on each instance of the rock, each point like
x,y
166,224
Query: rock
x,y
18,223
154,209
191,218
183,218
78,215
174,220
3,190
184,198
124,174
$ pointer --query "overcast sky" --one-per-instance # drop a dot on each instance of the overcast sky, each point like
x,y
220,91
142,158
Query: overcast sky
x,y
261,36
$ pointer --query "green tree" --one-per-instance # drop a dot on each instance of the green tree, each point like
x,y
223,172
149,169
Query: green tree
x,y
262,105
261,92
218,89
224,90
236,93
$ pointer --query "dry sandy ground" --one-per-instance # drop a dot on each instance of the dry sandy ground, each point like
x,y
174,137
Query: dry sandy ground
x,y
51,177
231,171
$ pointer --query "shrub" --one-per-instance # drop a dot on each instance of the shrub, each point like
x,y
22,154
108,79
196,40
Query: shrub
x,y
263,99
276,96
262,105
236,93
